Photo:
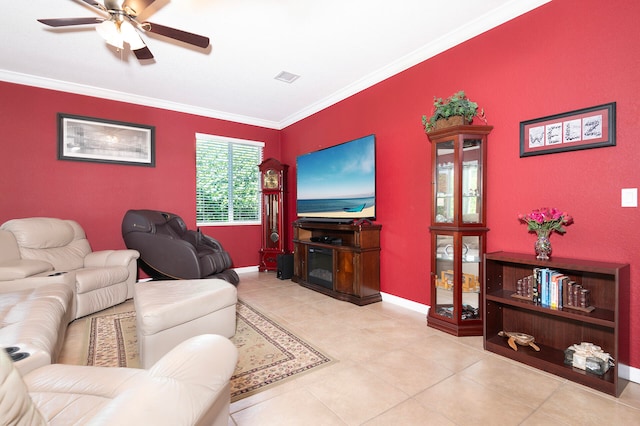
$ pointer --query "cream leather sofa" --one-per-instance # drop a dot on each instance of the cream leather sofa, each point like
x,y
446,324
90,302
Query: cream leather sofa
x,y
41,246
34,315
188,386
48,277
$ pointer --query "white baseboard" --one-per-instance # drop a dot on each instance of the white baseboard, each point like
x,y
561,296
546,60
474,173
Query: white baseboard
x,y
629,373
405,303
246,269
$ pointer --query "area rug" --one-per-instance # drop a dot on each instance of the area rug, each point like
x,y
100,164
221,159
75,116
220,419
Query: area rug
x,y
268,353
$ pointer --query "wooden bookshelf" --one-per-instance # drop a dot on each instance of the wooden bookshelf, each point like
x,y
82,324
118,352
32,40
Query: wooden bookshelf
x,y
556,329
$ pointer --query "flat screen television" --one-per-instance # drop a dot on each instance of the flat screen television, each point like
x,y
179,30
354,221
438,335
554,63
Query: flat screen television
x,y
338,184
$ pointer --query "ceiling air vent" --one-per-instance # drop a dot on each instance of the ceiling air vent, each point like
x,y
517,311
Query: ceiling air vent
x,y
287,77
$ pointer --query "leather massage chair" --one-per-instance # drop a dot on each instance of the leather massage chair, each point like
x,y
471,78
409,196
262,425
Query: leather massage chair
x,y
168,250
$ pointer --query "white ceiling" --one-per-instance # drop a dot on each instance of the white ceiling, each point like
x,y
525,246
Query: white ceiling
x,y
338,47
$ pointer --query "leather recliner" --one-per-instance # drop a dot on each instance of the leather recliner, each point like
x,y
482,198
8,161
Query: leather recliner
x,y
169,250
188,386
36,247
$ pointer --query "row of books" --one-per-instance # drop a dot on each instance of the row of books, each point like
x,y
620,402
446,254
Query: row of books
x,y
553,289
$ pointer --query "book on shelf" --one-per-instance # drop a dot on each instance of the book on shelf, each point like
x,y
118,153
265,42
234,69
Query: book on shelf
x,y
554,290
536,286
558,282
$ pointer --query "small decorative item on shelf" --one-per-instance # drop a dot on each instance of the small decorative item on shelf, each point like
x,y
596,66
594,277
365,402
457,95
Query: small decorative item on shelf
x,y
578,298
544,221
589,357
457,109
519,338
524,288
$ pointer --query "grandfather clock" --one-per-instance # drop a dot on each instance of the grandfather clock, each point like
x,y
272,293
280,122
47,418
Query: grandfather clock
x,y
273,178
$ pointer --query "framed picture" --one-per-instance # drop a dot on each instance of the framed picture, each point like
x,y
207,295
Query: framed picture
x,y
581,129
105,141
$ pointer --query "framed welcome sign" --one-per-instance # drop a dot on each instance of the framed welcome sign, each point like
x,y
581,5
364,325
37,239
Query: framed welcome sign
x,y
586,128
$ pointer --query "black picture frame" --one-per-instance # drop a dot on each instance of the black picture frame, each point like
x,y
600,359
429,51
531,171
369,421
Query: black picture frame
x,y
586,128
98,140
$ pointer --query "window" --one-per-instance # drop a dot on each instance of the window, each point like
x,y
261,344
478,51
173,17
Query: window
x,y
227,180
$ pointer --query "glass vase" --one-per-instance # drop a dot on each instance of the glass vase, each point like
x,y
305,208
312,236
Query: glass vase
x,y
543,245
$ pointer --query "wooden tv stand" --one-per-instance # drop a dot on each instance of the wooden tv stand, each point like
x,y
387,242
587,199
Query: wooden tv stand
x,y
339,260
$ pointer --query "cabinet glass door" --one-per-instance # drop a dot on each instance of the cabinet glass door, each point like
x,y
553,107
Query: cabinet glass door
x,y
445,283
445,182
472,181
271,229
471,259
458,228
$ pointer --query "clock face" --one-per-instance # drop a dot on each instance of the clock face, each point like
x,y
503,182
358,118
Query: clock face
x,y
270,179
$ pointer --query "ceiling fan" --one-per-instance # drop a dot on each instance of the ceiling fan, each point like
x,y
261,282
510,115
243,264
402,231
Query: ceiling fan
x,y
120,26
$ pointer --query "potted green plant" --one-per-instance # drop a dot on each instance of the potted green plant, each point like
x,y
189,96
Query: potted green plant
x,y
455,110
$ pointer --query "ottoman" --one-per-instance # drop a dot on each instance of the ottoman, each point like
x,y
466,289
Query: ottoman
x,y
170,312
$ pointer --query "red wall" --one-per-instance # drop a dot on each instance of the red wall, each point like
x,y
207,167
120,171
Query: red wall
x,y
34,183
563,56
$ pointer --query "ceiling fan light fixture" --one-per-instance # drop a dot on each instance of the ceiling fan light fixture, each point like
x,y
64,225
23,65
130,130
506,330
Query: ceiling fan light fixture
x,y
110,32
121,27
131,36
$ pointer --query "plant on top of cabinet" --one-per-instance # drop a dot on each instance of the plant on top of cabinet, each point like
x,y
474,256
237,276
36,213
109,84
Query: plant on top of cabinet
x,y
457,109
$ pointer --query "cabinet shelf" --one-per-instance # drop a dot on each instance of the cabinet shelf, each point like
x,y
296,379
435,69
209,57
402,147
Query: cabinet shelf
x,y
445,258
555,329
551,360
602,317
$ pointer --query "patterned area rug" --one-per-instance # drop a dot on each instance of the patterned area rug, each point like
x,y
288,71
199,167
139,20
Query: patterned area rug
x,y
112,341
268,352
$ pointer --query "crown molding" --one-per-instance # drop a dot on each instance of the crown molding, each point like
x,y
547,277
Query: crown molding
x,y
80,89
476,27
483,23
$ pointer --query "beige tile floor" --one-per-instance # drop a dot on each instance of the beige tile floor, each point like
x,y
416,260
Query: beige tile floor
x,y
394,370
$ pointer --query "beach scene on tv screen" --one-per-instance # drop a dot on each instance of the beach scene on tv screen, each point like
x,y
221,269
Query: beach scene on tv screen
x,y
339,181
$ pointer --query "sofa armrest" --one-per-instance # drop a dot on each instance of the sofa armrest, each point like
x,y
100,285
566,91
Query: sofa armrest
x,y
198,361
110,258
182,388
22,268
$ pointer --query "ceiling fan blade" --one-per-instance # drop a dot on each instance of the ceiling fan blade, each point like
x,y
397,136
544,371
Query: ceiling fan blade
x,y
143,53
94,4
136,6
63,22
194,39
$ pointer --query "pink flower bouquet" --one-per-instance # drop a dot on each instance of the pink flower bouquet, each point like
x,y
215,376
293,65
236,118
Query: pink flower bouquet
x,y
546,220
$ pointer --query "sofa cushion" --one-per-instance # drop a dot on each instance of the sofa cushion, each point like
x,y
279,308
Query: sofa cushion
x,y
16,405
62,243
73,394
165,304
36,320
22,268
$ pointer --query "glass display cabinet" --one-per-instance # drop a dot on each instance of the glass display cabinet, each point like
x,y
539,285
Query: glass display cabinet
x,y
458,228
